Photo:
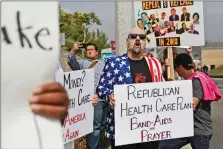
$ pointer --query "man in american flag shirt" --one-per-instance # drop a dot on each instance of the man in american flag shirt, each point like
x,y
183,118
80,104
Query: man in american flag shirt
x,y
129,68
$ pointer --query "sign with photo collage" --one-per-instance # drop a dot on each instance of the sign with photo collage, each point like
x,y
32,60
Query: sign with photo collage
x,y
171,23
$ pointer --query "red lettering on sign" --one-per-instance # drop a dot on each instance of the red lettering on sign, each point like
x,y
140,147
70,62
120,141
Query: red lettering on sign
x,y
146,136
70,135
74,119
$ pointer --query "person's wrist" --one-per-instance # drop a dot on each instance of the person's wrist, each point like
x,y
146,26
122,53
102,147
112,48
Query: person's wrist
x,y
73,51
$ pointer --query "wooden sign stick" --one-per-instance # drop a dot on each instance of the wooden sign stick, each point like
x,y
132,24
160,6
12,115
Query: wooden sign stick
x,y
170,68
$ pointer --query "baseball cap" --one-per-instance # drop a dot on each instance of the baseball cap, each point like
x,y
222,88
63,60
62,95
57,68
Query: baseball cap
x,y
184,60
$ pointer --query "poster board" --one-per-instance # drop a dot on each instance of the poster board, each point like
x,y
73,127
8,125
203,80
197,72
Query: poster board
x,y
80,88
29,57
164,29
153,111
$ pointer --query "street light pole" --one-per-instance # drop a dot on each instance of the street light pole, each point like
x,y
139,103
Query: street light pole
x,y
124,18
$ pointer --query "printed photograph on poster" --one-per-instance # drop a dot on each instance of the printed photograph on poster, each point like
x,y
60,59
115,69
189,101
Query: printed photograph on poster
x,y
153,111
80,88
171,23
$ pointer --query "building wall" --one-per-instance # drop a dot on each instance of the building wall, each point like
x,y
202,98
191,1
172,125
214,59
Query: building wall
x,y
212,57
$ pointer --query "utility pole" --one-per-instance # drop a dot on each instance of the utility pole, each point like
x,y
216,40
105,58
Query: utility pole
x,y
124,18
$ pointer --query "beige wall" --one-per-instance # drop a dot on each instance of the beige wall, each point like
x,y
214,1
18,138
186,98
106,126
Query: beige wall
x,y
212,57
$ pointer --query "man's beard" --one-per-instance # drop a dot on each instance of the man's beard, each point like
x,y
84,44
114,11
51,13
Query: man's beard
x,y
136,51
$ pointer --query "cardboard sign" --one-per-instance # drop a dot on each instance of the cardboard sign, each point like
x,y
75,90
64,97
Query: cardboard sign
x,y
171,23
153,111
80,88
29,57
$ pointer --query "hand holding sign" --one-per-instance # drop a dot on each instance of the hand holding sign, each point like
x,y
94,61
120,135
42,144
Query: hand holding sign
x,y
30,54
94,100
112,100
167,62
51,100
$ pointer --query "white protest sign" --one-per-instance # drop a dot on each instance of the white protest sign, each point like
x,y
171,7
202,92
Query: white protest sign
x,y
80,88
62,39
29,56
153,111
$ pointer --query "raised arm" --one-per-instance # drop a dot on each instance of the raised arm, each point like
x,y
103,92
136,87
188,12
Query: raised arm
x,y
72,59
72,62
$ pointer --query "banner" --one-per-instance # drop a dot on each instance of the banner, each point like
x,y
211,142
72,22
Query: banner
x,y
29,57
153,111
171,23
80,89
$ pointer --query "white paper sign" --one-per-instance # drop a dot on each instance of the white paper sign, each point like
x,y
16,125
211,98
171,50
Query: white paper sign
x,y
80,88
62,39
29,57
153,111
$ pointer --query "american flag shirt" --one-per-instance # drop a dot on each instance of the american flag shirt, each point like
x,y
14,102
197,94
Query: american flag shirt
x,y
117,71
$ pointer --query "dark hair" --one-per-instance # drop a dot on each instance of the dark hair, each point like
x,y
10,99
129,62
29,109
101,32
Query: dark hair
x,y
184,60
151,15
144,14
183,24
196,14
139,20
172,9
91,44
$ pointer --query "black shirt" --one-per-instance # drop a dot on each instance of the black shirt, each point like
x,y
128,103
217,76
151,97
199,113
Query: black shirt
x,y
140,71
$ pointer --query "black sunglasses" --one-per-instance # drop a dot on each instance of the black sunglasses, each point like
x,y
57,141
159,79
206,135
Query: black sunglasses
x,y
134,36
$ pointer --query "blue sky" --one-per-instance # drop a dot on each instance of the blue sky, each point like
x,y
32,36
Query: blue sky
x,y
213,16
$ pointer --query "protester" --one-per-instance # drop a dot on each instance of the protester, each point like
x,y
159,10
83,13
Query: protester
x,y
205,69
93,139
202,109
166,63
50,100
129,68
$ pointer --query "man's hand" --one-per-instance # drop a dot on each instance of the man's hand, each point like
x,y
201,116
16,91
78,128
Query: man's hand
x,y
167,62
50,100
189,51
76,46
195,102
94,100
171,79
112,100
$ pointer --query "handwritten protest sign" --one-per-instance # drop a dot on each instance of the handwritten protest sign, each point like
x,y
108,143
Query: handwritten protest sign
x,y
171,23
29,57
153,111
80,88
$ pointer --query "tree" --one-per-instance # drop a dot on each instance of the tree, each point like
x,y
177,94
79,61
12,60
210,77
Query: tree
x,y
99,38
76,28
